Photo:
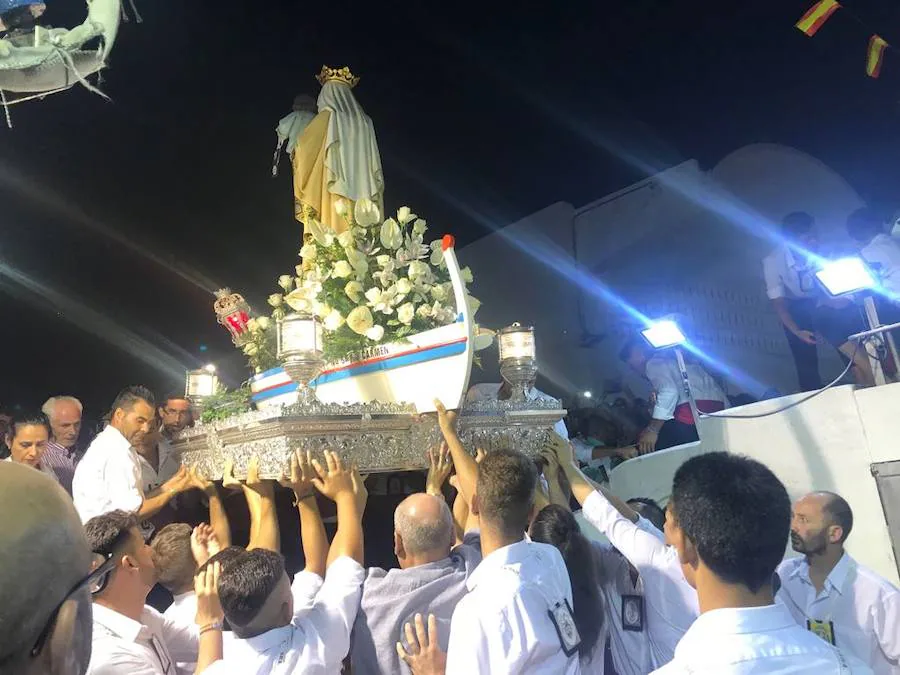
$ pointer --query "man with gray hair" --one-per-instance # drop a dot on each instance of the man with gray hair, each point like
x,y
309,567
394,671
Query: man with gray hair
x,y
431,579
64,413
45,578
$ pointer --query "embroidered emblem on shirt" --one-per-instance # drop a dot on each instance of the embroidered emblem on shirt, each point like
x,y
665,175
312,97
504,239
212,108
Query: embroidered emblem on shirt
x,y
824,629
564,622
633,613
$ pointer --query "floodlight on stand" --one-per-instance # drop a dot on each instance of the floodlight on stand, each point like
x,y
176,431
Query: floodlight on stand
x,y
299,348
517,359
199,385
663,334
845,276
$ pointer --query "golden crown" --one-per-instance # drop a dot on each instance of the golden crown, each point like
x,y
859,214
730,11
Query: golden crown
x,y
342,75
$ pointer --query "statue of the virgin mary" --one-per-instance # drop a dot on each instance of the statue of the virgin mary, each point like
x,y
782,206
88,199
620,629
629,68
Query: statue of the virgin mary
x,y
336,155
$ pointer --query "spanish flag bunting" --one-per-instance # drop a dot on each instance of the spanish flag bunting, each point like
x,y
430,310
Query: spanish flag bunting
x,y
816,17
875,55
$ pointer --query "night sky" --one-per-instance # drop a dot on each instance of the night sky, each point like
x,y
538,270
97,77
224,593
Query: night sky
x,y
117,215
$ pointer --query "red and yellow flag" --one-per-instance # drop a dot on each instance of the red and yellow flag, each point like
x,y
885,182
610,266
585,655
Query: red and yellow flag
x,y
875,55
816,17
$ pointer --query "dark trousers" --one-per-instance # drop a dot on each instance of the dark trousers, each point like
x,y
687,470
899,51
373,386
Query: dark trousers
x,y
675,433
806,360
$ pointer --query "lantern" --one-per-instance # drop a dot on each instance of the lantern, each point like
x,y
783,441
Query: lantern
x,y
517,359
233,312
299,340
199,385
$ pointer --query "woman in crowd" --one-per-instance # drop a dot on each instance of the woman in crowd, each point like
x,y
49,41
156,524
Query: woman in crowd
x,y
555,525
27,437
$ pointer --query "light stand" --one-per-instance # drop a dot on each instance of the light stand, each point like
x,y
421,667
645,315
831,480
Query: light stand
x,y
665,334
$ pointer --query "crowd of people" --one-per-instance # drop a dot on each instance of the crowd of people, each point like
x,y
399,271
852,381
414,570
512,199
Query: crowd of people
x,y
118,560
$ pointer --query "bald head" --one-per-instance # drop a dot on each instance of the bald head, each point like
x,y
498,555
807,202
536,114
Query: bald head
x,y
43,554
423,525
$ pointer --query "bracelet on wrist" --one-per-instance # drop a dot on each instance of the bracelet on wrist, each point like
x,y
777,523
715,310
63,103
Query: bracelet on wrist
x,y
303,497
215,625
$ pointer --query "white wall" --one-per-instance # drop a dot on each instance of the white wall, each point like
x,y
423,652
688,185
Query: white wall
x,y
827,443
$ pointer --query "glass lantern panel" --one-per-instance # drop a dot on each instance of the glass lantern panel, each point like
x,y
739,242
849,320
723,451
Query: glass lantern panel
x,y
517,345
300,334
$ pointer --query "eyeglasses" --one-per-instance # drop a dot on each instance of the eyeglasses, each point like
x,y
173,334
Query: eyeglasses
x,y
95,581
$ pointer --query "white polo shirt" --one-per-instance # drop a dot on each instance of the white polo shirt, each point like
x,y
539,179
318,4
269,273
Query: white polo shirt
x,y
491,390
863,608
787,275
883,256
755,640
152,646
108,477
183,611
503,624
317,639
670,603
665,378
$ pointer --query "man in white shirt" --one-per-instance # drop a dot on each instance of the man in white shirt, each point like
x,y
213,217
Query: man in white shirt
x,y
669,602
831,594
109,475
517,617
131,638
672,422
727,518
496,391
803,309
881,252
45,565
272,619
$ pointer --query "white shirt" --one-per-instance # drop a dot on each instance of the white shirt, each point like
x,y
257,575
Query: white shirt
x,y
755,640
670,604
169,463
665,378
108,477
883,255
787,275
317,639
503,624
864,608
122,646
491,390
183,612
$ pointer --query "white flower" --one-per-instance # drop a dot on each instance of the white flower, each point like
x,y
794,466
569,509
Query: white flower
x,y
263,322
375,333
424,311
406,312
420,226
354,291
417,270
286,281
250,349
252,325
320,232
300,300
437,254
360,320
345,239
321,309
366,213
466,275
473,303
439,292
382,300
359,261
384,260
341,269
275,299
391,236
404,287
308,252
341,207
300,271
333,321
404,215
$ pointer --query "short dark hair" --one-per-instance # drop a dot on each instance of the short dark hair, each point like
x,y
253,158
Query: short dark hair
x,y
177,396
129,396
106,532
555,525
839,511
246,582
172,556
224,557
737,514
863,224
635,341
649,509
797,222
505,489
26,419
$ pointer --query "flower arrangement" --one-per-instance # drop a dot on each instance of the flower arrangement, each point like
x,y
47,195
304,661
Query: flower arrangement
x,y
374,283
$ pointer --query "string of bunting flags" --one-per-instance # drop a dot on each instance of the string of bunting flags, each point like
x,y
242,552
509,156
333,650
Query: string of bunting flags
x,y
816,16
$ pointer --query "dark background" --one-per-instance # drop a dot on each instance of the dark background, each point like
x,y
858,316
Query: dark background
x,y
118,217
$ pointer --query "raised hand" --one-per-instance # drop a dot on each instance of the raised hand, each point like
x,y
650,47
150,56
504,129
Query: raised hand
x,y
180,482
562,450
359,488
446,419
301,475
204,544
333,480
254,482
206,586
197,480
424,656
439,467
228,479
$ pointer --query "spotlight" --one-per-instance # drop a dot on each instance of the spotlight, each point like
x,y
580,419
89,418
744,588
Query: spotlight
x,y
664,333
845,276
587,394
